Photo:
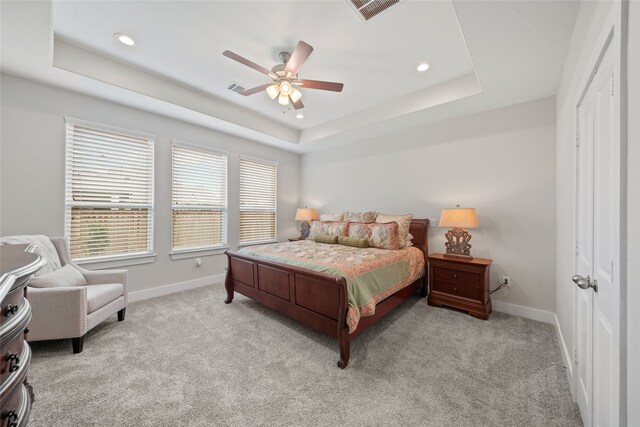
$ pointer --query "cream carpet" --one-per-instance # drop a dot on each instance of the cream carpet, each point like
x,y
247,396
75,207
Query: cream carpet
x,y
188,359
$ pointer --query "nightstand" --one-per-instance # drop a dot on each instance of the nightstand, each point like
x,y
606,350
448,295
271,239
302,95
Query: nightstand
x,y
460,283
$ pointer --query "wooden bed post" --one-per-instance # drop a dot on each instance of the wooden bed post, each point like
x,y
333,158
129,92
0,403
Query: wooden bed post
x,y
228,282
344,340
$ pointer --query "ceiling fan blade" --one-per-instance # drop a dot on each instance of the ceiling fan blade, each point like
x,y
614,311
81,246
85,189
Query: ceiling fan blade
x,y
256,89
246,62
297,105
317,84
298,58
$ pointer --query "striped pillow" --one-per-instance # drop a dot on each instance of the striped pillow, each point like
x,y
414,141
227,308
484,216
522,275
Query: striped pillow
x,y
325,238
356,243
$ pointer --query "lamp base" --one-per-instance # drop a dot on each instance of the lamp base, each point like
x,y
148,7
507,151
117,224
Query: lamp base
x,y
305,227
457,245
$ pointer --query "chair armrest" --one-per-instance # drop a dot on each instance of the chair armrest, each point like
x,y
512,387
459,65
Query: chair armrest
x,y
99,277
57,312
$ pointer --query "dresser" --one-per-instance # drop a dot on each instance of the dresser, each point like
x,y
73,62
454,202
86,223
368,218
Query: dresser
x,y
460,283
17,264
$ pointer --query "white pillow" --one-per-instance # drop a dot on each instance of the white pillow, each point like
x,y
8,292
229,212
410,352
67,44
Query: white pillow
x,y
63,277
408,241
332,217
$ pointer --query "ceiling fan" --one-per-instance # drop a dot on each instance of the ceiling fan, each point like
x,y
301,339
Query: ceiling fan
x,y
285,76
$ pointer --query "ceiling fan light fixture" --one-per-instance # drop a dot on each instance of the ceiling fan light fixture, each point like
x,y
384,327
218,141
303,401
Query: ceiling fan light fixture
x,y
283,99
273,91
295,95
285,87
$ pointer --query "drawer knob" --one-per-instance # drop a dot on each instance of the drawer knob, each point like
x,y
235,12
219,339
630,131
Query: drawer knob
x,y
10,309
11,417
455,275
14,362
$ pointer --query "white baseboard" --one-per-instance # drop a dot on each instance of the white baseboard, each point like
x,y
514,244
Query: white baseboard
x,y
175,287
526,312
566,356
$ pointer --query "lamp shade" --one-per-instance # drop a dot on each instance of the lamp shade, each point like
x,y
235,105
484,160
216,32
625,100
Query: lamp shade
x,y
458,218
306,214
273,91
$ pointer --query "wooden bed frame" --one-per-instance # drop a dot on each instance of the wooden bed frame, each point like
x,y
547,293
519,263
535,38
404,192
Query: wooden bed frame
x,y
316,299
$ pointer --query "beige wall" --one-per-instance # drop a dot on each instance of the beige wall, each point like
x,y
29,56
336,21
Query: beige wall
x,y
32,174
501,162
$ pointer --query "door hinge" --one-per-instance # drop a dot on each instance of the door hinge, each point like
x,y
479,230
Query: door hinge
x,y
575,355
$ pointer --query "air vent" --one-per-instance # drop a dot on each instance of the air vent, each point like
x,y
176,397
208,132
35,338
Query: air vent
x,y
235,87
368,9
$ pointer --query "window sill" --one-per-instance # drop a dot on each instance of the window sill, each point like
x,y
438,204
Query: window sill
x,y
194,253
261,242
117,261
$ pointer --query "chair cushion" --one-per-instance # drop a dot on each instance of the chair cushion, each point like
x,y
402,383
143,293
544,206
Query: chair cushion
x,y
45,249
100,295
66,276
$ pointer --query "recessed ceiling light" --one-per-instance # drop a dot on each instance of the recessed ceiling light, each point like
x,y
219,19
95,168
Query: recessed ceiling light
x,y
300,116
125,39
423,67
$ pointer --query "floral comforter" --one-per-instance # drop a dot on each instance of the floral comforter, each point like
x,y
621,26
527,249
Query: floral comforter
x,y
372,274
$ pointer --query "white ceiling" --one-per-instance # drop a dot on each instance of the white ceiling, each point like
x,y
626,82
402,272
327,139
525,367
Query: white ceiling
x,y
482,54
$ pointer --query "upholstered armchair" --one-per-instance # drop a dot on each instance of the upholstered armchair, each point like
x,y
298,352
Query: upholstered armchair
x,y
71,311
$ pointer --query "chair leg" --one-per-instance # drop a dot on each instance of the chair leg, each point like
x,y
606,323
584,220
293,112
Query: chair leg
x,y
121,314
77,344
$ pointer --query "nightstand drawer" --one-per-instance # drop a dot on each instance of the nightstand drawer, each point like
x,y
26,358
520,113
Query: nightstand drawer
x,y
456,276
457,290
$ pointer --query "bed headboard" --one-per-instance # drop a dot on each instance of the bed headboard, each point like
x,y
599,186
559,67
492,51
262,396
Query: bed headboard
x,y
419,229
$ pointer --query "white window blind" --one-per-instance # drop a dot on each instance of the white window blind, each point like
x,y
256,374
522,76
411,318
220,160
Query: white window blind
x,y
199,198
258,193
109,191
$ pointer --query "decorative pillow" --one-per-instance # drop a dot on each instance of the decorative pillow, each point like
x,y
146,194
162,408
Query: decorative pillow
x,y
409,239
325,238
384,236
356,243
328,227
359,216
404,222
63,277
332,217
360,230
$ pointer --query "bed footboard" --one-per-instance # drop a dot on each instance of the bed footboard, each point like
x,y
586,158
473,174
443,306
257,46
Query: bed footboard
x,y
316,299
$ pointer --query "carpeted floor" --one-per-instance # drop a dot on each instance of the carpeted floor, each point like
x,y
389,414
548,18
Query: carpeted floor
x,y
188,359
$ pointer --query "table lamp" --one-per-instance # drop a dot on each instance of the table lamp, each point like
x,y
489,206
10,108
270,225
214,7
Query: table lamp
x,y
458,219
305,215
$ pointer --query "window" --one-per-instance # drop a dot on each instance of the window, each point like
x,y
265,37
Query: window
x,y
109,191
199,198
258,188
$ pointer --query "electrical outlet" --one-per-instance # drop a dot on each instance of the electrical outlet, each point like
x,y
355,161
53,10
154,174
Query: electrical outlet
x,y
506,279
